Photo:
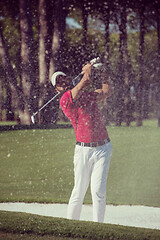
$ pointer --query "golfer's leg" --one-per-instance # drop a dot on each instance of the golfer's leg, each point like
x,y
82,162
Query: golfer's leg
x,y
98,182
81,182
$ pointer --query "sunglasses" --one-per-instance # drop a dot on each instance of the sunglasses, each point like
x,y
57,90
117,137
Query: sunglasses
x,y
62,81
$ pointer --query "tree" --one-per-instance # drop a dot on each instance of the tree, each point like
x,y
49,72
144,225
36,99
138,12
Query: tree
x,y
28,77
105,10
8,103
157,5
6,92
52,15
1,99
67,50
10,75
85,23
123,102
59,53
141,64
46,25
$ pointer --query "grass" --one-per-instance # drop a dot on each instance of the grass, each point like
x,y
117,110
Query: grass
x,y
4,123
33,165
38,226
25,236
134,173
37,165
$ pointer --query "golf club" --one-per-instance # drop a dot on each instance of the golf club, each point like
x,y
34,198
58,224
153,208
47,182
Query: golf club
x,y
34,114
93,62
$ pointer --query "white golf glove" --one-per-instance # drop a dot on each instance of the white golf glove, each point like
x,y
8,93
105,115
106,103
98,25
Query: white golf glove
x,y
95,63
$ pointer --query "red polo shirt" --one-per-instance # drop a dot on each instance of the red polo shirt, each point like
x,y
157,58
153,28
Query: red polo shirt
x,y
84,116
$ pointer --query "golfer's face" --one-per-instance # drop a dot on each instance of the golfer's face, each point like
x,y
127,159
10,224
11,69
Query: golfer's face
x,y
61,88
61,84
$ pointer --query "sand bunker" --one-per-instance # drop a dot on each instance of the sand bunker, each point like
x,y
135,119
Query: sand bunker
x,y
136,216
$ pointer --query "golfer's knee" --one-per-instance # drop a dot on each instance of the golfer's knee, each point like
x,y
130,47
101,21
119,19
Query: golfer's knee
x,y
77,196
100,195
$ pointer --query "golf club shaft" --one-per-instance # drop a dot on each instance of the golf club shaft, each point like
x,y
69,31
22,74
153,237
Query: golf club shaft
x,y
45,104
92,62
77,76
34,114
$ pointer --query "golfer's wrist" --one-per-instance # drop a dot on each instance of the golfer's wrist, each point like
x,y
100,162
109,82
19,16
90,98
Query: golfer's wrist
x,y
87,69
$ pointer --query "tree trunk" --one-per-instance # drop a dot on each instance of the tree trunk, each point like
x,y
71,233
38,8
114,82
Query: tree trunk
x,y
58,59
141,66
158,40
45,41
126,67
43,56
55,48
27,64
145,101
105,9
46,61
106,18
85,25
10,76
123,96
120,89
8,103
1,98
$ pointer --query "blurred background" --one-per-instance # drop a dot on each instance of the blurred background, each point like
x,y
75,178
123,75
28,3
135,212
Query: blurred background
x,y
39,37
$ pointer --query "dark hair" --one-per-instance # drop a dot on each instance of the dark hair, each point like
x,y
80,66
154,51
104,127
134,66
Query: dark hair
x,y
60,80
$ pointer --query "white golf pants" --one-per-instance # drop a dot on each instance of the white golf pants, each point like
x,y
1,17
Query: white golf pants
x,y
90,163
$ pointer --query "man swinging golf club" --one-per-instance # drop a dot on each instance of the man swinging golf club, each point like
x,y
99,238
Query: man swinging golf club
x,y
93,149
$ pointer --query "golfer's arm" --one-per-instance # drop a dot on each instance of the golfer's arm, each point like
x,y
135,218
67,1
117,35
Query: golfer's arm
x,y
81,86
78,89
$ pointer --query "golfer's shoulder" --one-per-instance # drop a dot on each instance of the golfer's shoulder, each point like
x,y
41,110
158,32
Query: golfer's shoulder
x,y
66,97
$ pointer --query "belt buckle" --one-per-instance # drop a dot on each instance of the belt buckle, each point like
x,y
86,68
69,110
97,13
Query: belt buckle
x,y
94,144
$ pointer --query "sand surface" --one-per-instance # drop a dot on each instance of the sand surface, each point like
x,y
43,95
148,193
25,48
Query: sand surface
x,y
136,216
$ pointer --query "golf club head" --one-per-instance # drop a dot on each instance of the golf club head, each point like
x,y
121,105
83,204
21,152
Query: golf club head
x,y
94,60
97,65
32,119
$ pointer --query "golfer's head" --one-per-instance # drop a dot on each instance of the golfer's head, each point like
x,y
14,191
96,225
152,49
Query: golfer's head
x,y
60,81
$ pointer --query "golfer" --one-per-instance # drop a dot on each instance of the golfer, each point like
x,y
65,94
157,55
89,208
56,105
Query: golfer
x,y
93,149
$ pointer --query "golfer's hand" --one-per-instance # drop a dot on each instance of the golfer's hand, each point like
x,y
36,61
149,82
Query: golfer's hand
x,y
87,69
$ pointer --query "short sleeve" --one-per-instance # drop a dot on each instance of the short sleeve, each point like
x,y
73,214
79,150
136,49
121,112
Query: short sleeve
x,y
66,101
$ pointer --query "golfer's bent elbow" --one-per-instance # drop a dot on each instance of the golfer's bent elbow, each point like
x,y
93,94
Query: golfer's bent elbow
x,y
107,90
